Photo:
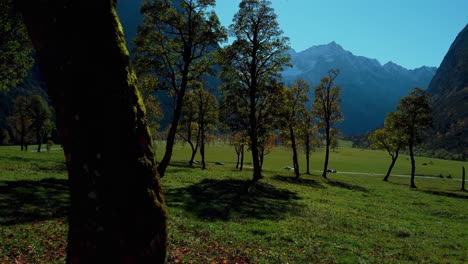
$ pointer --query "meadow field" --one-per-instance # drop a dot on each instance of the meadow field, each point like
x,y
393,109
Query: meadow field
x,y
216,217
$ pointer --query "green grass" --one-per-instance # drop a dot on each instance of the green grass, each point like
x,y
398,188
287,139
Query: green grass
x,y
216,217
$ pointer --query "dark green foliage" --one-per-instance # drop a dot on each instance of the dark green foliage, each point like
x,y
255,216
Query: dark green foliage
x,y
20,121
173,45
15,47
251,68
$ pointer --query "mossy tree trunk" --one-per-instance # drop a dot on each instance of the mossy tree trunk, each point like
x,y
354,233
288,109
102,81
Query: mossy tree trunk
x,y
117,212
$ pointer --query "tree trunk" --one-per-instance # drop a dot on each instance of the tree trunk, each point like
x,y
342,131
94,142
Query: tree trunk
x,y
307,145
413,165
194,152
327,152
194,149
22,140
39,141
117,212
238,156
202,145
295,159
257,165
257,173
22,134
463,179
242,158
162,167
262,156
394,158
175,122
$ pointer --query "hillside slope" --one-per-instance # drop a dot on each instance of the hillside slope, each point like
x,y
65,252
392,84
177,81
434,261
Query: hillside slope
x,y
449,91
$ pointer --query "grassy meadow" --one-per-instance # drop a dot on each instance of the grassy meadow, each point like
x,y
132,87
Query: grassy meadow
x,y
215,217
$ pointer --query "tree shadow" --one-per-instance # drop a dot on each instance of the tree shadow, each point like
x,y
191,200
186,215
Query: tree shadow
x,y
28,201
301,181
347,186
460,195
232,199
181,164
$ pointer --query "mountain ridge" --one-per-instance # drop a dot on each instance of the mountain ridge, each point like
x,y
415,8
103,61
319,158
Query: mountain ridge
x,y
366,83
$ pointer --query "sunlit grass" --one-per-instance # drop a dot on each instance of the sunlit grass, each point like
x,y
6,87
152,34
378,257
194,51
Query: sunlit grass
x,y
214,215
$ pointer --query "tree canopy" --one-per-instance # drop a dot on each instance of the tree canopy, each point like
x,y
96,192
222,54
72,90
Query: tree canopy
x,y
15,47
326,107
414,114
251,70
173,45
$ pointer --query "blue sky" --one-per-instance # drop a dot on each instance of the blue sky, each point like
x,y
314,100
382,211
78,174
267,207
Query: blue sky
x,y
411,33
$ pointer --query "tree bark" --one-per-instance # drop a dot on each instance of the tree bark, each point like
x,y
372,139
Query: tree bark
x,y
22,136
39,140
202,145
394,158
257,174
194,149
327,151
238,156
162,167
242,158
463,179
294,148
413,164
117,212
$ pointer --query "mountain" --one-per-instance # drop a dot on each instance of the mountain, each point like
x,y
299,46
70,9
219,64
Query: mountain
x,y
449,91
369,90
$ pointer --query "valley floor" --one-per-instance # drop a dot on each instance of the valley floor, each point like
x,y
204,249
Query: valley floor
x,y
214,217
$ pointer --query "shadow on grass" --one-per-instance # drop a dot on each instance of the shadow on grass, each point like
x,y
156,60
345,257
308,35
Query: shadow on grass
x,y
300,181
460,195
181,164
29,201
230,199
347,186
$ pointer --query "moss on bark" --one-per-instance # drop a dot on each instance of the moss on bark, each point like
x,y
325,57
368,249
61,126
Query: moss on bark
x,y
117,209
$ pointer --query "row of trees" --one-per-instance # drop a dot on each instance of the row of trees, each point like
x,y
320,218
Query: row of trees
x,y
176,47
31,121
117,211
